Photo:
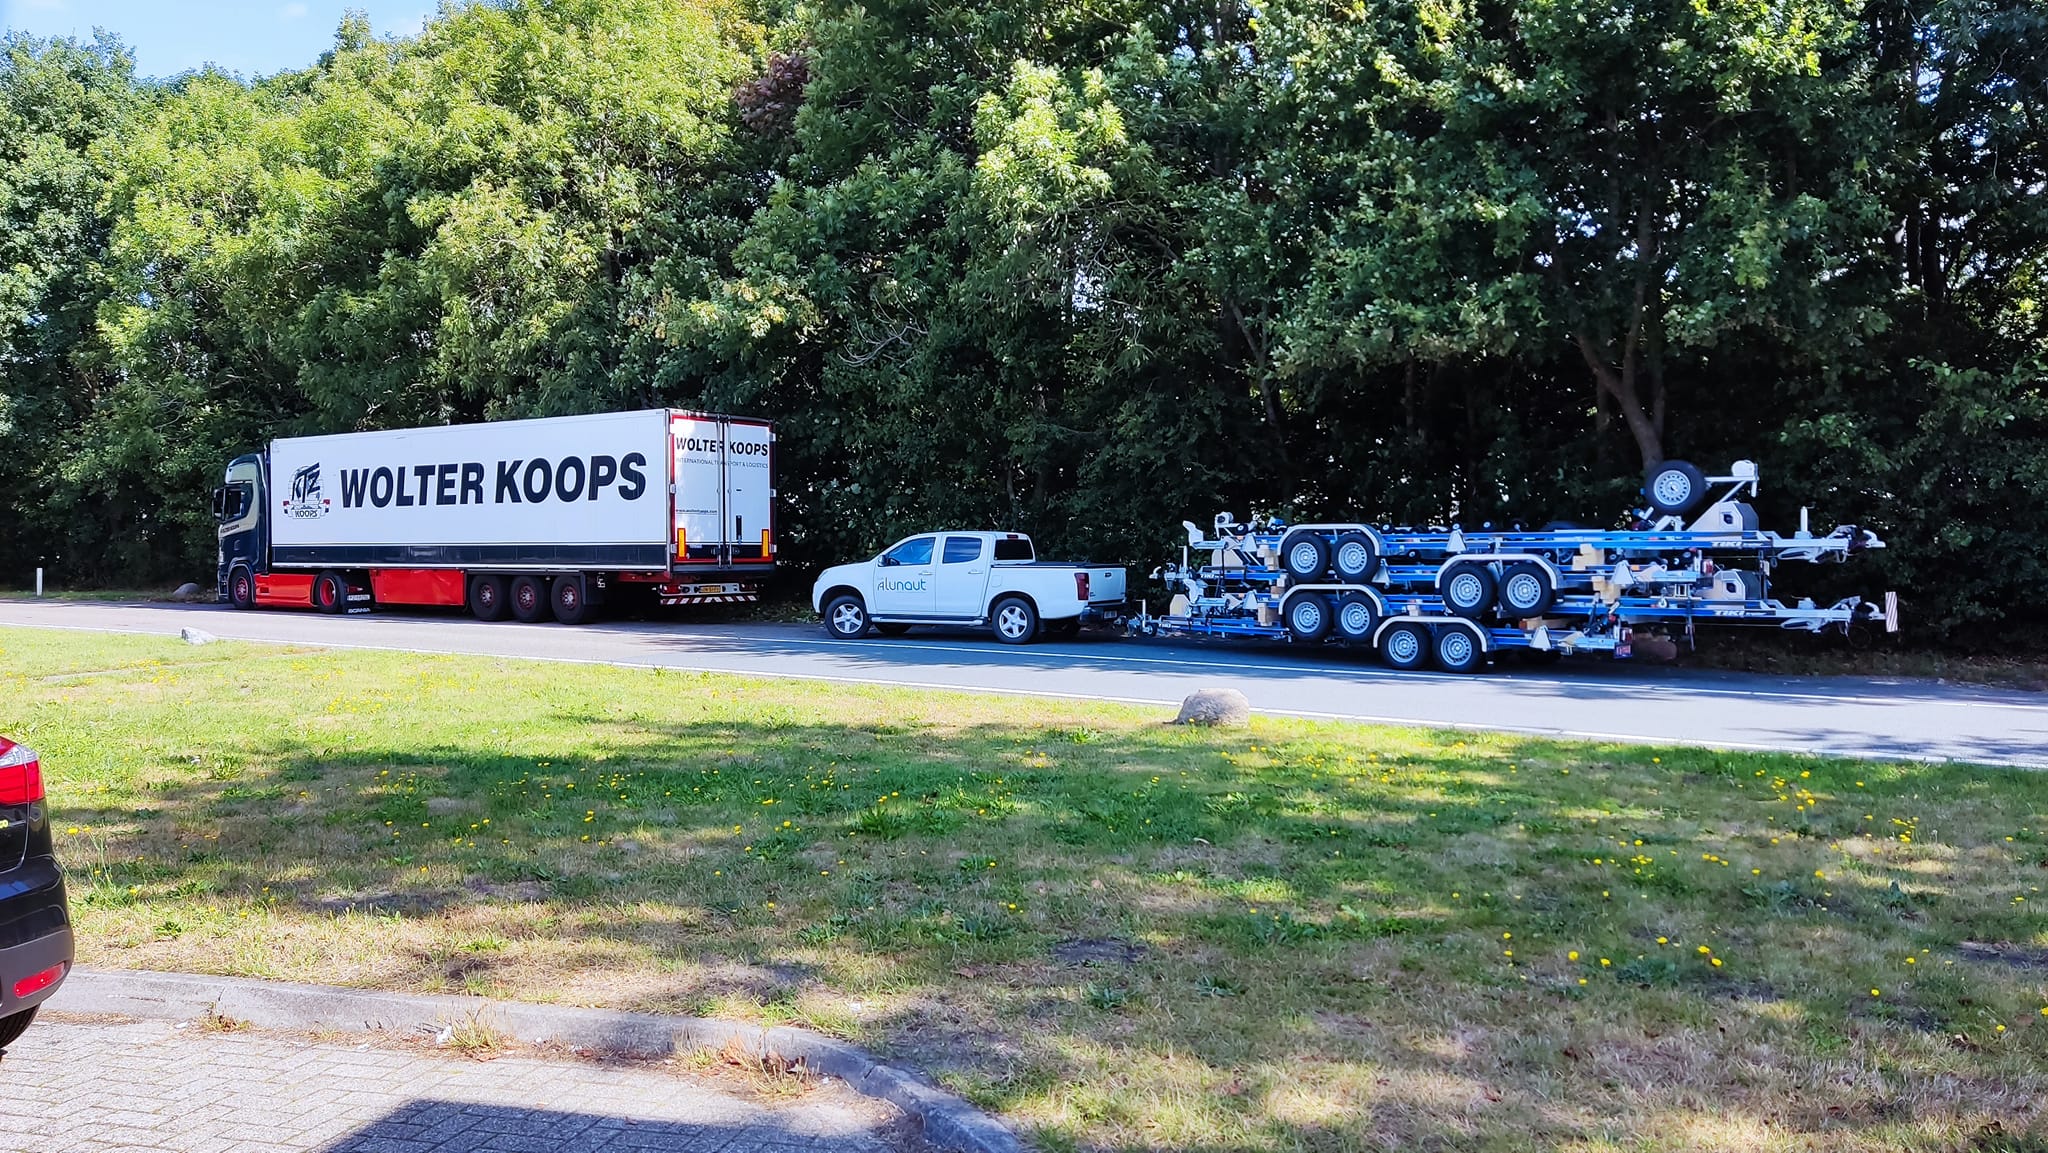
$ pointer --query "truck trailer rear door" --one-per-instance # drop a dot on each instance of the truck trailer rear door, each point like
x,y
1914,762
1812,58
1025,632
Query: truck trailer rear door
x,y
724,500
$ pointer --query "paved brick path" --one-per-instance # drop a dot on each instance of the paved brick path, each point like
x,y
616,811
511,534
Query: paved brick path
x,y
105,1087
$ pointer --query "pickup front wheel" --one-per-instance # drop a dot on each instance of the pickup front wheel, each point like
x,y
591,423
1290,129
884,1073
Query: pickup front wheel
x,y
846,618
1015,621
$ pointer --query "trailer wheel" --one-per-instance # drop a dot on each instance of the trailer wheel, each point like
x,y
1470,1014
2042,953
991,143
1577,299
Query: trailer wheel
x,y
1354,557
1357,616
487,598
330,593
846,618
529,599
241,589
1304,555
1467,588
1675,487
1525,591
1015,621
1405,646
1458,651
1309,617
892,628
569,598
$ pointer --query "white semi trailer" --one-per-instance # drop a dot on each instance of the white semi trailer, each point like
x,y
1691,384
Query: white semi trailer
x,y
524,518
1450,597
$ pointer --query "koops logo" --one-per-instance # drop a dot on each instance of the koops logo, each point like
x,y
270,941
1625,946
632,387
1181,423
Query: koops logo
x,y
306,502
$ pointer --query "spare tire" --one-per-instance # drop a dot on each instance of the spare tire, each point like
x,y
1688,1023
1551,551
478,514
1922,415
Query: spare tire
x,y
1675,487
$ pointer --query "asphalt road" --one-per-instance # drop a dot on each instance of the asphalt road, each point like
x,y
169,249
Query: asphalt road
x,y
1610,701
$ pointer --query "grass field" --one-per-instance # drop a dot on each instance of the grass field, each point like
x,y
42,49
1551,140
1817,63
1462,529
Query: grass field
x,y
1116,933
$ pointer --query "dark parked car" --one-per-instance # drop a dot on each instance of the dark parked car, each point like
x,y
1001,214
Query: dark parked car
x,y
35,922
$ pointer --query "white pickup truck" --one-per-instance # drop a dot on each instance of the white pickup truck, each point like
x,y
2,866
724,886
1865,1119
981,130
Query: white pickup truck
x,y
965,578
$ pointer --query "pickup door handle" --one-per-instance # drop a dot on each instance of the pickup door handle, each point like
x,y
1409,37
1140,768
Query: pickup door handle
x,y
976,571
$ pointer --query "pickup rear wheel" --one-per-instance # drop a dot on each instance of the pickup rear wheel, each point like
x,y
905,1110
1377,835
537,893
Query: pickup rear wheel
x,y
846,618
1014,620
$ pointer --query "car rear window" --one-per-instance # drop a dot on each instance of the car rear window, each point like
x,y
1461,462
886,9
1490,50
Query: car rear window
x,y
1018,549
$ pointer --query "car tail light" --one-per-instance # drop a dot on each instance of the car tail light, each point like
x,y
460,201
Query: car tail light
x,y
21,775
37,983
1081,585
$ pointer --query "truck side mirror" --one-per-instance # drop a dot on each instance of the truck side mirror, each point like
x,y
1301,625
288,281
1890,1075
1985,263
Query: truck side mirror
x,y
220,504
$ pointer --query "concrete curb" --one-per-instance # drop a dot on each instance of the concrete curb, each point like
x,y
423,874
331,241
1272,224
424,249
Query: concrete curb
x,y
948,1121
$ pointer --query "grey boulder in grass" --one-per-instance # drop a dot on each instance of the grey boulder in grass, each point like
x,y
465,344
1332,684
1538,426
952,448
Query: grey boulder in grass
x,y
1214,707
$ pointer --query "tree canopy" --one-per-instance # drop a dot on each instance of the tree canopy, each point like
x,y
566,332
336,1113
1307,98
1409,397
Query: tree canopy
x,y
1082,270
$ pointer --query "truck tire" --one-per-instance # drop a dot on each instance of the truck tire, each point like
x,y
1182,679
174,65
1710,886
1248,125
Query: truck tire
x,y
1526,590
529,599
1405,646
1357,617
1467,588
1305,555
846,618
1457,650
1675,487
569,600
1354,558
241,588
1014,620
1309,617
487,597
330,593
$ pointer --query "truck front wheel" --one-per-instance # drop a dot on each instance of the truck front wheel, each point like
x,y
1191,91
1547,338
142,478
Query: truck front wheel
x,y
487,598
529,599
241,589
1015,621
846,618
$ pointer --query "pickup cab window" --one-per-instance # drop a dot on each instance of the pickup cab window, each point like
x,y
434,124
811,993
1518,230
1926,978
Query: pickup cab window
x,y
962,549
1019,549
913,552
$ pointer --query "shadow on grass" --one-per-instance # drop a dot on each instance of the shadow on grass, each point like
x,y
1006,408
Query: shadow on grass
x,y
1306,919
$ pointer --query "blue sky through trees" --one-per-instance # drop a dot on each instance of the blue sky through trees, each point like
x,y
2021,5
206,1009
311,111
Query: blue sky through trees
x,y
250,37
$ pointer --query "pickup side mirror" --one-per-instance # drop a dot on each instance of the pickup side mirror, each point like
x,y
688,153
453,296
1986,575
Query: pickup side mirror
x,y
890,561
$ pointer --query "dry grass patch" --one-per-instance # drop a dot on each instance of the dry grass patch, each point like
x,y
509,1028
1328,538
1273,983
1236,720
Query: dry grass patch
x,y
1117,933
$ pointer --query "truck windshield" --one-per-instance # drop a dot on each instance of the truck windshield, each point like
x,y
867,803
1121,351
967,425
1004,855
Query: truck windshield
x,y
1017,548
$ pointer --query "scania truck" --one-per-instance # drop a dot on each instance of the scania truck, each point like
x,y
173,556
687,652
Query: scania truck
x,y
532,519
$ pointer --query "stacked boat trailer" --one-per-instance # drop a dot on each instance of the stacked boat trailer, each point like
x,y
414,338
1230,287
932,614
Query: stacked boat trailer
x,y
1452,597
